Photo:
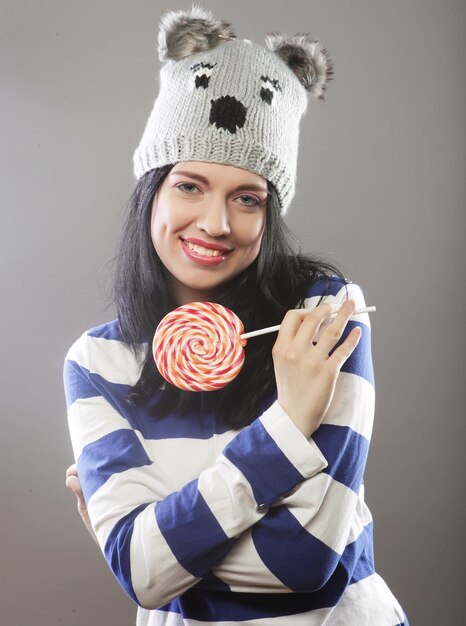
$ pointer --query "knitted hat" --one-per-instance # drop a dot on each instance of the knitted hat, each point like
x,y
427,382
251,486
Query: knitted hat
x,y
231,101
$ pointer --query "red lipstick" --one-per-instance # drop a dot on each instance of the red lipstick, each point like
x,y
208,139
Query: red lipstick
x,y
200,259
206,244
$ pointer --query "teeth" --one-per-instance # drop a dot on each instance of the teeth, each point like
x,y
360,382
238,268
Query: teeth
x,y
201,250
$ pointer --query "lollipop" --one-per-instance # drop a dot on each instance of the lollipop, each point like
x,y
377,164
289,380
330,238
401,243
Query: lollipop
x,y
198,346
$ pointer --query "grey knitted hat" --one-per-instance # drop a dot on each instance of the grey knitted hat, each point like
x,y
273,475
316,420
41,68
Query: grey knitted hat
x,y
231,101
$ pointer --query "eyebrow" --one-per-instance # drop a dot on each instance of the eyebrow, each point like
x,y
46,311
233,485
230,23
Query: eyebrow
x,y
202,179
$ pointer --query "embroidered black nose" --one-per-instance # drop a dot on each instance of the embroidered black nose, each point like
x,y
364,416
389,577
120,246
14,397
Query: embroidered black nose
x,y
227,112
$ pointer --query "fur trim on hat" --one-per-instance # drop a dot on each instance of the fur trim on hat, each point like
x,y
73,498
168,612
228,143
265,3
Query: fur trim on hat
x,y
306,57
185,32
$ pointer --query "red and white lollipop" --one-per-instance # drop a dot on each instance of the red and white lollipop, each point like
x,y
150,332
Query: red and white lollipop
x,y
200,346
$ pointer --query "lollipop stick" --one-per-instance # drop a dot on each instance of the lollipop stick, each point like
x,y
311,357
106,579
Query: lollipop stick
x,y
271,329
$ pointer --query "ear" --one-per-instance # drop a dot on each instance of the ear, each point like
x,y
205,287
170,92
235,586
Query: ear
x,y
306,57
185,32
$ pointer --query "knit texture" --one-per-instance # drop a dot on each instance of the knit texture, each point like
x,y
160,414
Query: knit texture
x,y
238,105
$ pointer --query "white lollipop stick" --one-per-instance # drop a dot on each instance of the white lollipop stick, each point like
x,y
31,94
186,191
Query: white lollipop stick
x,y
271,329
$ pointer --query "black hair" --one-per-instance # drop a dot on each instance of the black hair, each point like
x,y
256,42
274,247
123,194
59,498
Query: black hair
x,y
276,281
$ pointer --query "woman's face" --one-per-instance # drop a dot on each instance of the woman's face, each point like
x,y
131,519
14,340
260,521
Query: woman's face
x,y
207,224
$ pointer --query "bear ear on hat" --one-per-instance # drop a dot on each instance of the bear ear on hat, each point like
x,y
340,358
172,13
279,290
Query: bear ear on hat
x,y
306,57
185,32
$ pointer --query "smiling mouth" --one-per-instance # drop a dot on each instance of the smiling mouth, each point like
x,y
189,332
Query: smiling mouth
x,y
205,252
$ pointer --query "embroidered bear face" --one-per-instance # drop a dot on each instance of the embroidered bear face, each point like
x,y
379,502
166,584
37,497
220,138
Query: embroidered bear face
x,y
236,84
229,100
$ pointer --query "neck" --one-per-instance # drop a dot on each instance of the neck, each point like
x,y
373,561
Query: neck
x,y
185,295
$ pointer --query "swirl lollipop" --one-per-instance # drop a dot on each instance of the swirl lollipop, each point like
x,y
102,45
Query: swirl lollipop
x,y
198,346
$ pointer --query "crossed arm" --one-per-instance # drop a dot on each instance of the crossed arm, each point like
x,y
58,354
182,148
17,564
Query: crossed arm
x,y
277,510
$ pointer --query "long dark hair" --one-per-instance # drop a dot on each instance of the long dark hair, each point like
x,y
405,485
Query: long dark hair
x,y
276,281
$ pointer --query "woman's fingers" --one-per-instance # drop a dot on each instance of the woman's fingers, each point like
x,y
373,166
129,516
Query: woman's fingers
x,y
72,470
341,354
333,333
304,373
303,321
72,482
300,328
313,325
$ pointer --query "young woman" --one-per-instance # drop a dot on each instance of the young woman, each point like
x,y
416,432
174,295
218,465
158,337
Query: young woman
x,y
244,505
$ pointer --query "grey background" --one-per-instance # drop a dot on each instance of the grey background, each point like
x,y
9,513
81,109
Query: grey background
x,y
380,191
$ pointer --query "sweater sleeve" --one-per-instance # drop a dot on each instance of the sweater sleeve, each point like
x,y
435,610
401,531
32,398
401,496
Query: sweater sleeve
x,y
159,542
320,530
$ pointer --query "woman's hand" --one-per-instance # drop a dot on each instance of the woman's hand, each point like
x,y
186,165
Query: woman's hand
x,y
72,482
305,374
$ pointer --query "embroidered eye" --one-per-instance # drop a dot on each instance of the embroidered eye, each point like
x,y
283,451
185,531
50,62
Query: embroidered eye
x,y
269,88
202,72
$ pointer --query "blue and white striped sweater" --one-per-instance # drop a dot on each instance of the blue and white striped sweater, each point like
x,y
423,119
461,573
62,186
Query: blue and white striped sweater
x,y
201,524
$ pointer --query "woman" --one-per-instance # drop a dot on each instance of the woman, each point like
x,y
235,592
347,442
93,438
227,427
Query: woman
x,y
244,505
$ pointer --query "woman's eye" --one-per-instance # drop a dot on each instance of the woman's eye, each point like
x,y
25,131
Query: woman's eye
x,y
255,202
186,185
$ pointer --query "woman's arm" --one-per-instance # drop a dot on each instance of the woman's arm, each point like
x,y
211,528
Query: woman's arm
x,y
158,542
320,530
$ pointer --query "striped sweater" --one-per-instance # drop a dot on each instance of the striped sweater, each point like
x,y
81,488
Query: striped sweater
x,y
202,524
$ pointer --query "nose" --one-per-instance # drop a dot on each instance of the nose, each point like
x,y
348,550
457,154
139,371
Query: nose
x,y
214,219
227,112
